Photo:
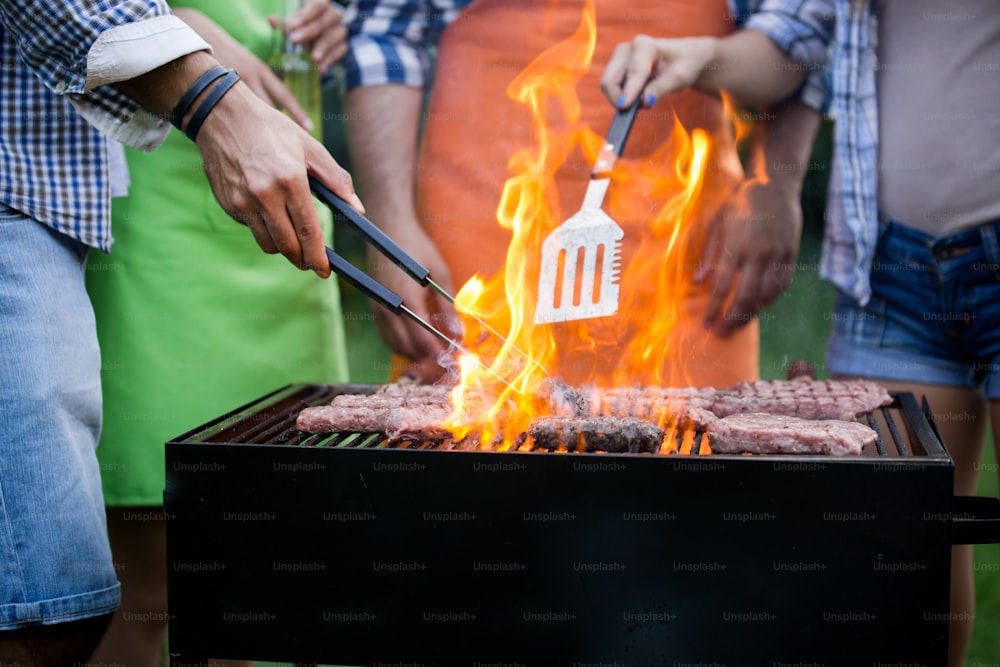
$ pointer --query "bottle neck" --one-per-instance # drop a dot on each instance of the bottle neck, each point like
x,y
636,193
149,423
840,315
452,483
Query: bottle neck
x,y
292,8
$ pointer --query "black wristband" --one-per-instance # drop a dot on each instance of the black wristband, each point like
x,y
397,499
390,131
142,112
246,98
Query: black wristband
x,y
206,106
188,98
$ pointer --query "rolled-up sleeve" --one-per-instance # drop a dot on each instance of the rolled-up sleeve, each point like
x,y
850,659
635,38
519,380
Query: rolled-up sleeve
x,y
78,48
802,30
390,40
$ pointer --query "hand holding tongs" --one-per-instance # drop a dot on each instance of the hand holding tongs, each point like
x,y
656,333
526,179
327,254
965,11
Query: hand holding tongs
x,y
379,292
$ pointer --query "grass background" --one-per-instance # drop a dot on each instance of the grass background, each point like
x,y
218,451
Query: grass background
x,y
795,327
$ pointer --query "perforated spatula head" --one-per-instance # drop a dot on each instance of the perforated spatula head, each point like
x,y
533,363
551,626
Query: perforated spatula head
x,y
581,258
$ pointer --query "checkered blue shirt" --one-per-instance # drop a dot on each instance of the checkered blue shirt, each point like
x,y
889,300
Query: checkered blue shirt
x,y
852,203
53,163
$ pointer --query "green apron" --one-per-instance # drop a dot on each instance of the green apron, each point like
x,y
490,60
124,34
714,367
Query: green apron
x,y
193,318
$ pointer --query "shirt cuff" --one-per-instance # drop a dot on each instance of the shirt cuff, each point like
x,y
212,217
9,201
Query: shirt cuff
x,y
133,49
123,53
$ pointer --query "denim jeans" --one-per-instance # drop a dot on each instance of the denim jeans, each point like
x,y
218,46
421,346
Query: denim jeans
x,y
934,315
55,562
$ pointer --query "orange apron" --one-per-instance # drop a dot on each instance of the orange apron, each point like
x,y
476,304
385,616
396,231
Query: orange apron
x,y
471,128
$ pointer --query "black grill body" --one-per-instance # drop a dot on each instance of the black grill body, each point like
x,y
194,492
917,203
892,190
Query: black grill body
x,y
375,555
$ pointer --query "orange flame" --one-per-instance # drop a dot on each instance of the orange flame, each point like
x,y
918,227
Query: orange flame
x,y
642,344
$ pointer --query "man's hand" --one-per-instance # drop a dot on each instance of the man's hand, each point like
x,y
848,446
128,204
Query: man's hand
x,y
256,158
262,182
750,254
752,247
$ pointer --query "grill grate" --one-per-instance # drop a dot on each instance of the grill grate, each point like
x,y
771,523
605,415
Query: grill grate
x,y
904,430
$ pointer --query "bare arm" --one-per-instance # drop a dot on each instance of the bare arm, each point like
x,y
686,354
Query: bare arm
x,y
261,183
751,252
745,64
382,135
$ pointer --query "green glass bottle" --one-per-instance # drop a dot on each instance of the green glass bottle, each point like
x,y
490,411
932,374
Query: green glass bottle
x,y
298,71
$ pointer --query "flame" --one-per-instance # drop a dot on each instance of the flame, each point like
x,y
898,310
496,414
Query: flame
x,y
642,344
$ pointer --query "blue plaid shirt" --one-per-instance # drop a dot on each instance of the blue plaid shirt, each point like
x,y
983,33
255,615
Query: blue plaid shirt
x,y
57,59
852,203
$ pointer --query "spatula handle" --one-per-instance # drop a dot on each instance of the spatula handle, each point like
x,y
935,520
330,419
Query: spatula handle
x,y
621,125
614,143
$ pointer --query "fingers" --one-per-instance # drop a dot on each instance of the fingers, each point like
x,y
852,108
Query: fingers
x,y
614,74
426,371
628,70
651,68
329,47
280,214
281,97
308,243
744,306
724,273
712,253
758,288
320,25
260,234
761,282
404,336
642,62
322,165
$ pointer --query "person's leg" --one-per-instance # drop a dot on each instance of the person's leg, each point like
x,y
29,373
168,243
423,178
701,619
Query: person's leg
x,y
960,415
138,543
58,584
52,645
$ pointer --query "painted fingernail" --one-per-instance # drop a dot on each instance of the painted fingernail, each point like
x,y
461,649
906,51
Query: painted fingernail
x,y
296,36
621,100
650,99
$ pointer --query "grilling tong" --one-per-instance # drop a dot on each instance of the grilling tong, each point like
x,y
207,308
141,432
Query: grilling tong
x,y
382,294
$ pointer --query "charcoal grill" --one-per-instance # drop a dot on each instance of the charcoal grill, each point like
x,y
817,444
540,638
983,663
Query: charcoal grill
x,y
350,549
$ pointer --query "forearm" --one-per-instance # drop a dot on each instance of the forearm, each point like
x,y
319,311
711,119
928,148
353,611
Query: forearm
x,y
159,90
748,66
382,125
783,147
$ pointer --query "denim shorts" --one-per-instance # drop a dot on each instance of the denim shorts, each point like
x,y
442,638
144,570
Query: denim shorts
x,y
55,562
934,315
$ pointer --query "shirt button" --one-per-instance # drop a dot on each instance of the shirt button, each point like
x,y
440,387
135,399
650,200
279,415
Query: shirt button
x,y
61,87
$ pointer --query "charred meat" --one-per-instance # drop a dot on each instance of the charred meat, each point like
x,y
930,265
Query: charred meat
x,y
590,434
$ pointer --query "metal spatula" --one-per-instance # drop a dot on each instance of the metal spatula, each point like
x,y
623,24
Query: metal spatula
x,y
581,257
